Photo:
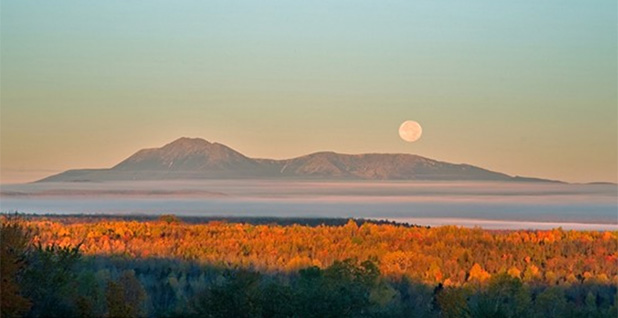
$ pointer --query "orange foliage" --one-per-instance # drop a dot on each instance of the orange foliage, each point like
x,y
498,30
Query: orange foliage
x,y
444,254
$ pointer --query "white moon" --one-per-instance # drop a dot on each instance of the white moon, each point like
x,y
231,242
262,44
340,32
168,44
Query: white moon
x,y
410,131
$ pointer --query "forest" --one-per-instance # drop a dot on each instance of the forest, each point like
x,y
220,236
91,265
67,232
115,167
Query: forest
x,y
168,266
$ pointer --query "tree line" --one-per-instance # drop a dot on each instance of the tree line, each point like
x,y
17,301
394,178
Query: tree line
x,y
168,268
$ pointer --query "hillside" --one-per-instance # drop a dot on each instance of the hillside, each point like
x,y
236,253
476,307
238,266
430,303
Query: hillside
x,y
195,158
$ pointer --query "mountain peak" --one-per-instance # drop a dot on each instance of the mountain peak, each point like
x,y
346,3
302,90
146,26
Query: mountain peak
x,y
184,154
187,142
196,158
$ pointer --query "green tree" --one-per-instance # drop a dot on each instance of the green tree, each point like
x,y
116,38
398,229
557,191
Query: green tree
x,y
341,290
116,304
277,300
49,281
453,303
125,297
505,296
550,303
169,219
239,295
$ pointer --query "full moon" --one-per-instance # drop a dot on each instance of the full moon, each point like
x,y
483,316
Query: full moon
x,y
410,131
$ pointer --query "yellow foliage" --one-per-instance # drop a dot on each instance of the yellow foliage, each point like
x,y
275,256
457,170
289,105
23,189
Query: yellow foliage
x,y
449,254
477,273
514,272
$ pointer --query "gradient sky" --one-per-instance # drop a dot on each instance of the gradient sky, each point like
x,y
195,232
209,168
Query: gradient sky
x,y
523,87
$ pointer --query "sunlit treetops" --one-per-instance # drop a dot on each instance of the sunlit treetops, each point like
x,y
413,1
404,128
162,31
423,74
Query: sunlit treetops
x,y
448,255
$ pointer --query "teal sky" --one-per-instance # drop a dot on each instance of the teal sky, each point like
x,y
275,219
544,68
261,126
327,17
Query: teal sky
x,y
522,87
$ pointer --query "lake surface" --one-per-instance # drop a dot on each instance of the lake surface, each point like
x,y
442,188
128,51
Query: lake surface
x,y
487,204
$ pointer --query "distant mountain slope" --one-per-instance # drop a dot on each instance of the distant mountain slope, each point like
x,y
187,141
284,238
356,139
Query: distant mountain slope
x,y
195,158
382,167
186,154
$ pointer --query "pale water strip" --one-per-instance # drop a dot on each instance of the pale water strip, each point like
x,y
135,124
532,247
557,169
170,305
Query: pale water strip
x,y
508,225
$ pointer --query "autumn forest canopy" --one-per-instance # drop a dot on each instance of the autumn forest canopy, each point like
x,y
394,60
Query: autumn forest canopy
x,y
174,267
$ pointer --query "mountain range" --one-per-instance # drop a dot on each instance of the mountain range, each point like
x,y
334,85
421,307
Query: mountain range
x,y
196,158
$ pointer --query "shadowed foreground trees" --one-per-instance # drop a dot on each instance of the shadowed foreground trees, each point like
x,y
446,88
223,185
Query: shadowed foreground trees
x,y
125,296
15,241
133,288
50,281
37,281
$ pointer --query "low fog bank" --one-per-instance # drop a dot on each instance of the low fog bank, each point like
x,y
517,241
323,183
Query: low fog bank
x,y
485,204
282,188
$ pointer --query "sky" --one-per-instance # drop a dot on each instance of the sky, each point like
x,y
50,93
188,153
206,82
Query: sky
x,y
522,87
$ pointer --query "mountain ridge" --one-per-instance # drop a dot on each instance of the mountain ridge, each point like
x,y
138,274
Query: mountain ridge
x,y
197,158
